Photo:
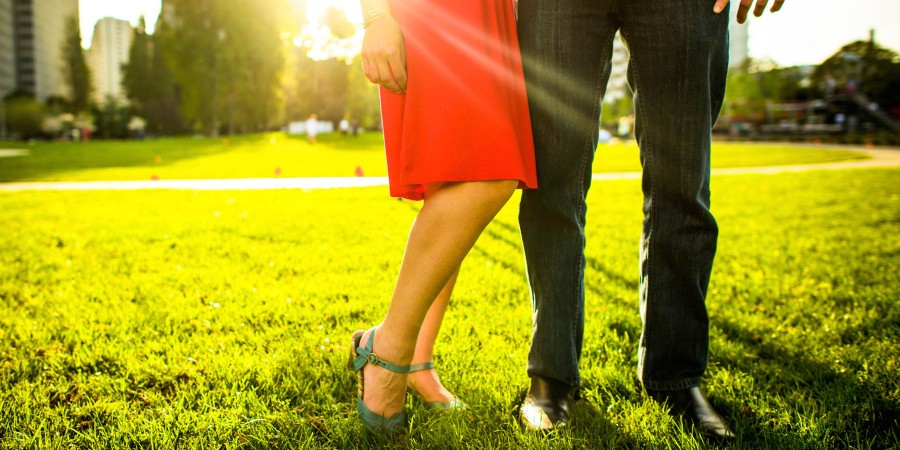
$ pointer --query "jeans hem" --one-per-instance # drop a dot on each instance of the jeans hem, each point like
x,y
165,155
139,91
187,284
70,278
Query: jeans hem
x,y
671,385
575,384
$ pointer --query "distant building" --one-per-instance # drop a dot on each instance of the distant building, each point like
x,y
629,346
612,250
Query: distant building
x,y
7,49
618,77
31,41
109,52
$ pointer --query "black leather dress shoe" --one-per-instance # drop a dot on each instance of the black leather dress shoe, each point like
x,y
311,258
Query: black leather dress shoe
x,y
548,404
693,406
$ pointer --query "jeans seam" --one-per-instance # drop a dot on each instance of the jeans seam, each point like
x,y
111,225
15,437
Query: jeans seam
x,y
645,148
583,212
581,259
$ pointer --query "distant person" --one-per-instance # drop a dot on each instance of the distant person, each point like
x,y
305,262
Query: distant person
x,y
344,126
463,158
830,85
625,124
354,125
312,128
678,68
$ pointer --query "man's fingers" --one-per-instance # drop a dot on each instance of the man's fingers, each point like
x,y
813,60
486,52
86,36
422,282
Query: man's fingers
x,y
758,10
760,7
743,9
720,6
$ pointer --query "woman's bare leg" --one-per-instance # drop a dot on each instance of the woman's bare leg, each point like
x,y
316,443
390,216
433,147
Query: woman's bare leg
x,y
449,223
426,382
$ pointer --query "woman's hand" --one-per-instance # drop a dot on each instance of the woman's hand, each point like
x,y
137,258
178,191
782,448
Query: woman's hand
x,y
384,54
745,5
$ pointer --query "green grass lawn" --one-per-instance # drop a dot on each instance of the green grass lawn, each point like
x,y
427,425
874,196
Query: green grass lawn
x,y
278,155
163,319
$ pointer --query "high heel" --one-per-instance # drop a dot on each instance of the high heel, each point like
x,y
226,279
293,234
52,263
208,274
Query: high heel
x,y
394,426
455,404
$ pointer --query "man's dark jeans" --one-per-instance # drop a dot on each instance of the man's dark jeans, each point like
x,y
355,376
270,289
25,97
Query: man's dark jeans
x,y
677,71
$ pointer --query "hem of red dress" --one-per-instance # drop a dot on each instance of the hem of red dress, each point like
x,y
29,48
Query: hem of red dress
x,y
415,192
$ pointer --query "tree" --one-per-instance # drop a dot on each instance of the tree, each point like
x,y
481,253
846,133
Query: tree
x,y
75,68
148,82
226,57
299,90
876,69
362,101
757,83
613,110
24,115
323,80
112,118
137,74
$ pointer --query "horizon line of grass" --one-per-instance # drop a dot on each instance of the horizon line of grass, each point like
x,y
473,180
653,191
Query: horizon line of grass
x,y
278,155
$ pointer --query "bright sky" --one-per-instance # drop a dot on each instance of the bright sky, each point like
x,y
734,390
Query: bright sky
x,y
90,11
803,32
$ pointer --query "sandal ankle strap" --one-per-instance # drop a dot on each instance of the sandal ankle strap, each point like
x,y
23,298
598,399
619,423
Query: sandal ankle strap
x,y
428,365
365,355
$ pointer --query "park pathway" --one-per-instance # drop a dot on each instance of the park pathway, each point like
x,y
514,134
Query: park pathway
x,y
880,158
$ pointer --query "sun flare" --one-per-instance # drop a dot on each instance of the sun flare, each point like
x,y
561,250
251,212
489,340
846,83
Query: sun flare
x,y
316,8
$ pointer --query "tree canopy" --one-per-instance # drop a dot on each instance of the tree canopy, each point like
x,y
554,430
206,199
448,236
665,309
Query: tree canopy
x,y
227,58
75,69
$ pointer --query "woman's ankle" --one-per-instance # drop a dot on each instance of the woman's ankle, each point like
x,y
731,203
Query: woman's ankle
x,y
386,347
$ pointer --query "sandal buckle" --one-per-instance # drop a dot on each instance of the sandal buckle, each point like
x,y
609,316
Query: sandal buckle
x,y
373,359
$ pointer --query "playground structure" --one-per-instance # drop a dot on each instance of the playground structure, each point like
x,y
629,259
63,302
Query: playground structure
x,y
838,114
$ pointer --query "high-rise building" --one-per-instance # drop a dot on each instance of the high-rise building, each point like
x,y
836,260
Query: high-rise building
x,y
109,52
618,77
37,34
7,49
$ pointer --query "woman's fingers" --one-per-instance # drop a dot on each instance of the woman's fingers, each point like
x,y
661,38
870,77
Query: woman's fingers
x,y
370,69
777,5
384,55
397,64
386,77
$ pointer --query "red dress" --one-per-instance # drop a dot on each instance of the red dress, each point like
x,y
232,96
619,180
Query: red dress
x,y
464,115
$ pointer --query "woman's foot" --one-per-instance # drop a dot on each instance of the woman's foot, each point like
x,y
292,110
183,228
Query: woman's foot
x,y
427,385
383,391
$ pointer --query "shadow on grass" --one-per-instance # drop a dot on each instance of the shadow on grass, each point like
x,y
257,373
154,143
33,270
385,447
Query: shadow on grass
x,y
856,413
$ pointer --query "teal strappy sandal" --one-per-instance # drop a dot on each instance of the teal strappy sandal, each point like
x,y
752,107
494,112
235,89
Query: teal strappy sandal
x,y
359,357
455,404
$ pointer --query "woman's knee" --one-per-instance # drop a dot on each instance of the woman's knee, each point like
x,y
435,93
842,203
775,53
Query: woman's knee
x,y
499,191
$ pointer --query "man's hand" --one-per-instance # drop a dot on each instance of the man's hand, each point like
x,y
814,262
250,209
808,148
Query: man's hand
x,y
384,54
745,5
